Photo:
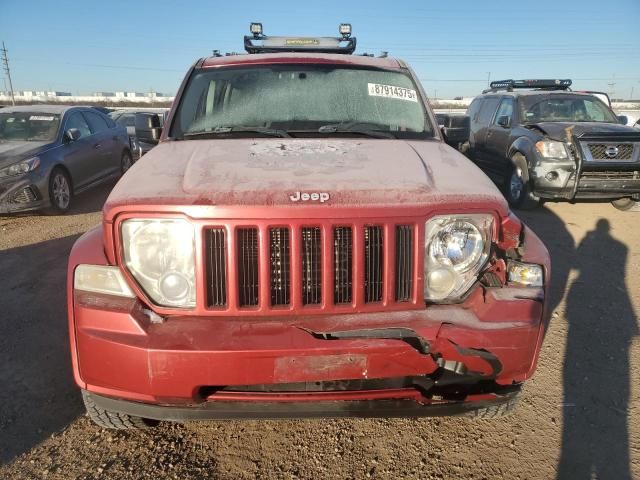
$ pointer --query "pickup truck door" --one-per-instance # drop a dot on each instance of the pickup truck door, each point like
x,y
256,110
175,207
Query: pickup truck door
x,y
481,129
499,139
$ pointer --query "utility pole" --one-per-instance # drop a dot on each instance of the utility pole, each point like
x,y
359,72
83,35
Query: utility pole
x,y
5,61
488,79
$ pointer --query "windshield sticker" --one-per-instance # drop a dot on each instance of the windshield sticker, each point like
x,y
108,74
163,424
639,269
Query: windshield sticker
x,y
389,91
42,118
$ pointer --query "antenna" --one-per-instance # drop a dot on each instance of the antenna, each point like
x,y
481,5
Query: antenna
x,y
5,62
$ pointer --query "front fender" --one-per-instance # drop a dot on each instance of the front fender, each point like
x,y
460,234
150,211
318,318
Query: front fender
x,y
525,147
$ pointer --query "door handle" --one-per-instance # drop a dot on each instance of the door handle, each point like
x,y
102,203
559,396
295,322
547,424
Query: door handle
x,y
97,145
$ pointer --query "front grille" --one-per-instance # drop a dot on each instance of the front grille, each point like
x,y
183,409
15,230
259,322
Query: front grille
x,y
373,258
248,274
404,263
599,151
311,266
280,269
346,265
26,195
217,272
342,265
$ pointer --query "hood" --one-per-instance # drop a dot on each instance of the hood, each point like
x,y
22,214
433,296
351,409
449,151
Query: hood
x,y
12,152
271,172
557,130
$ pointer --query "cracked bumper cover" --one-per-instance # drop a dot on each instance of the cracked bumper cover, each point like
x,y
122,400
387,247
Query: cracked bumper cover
x,y
119,355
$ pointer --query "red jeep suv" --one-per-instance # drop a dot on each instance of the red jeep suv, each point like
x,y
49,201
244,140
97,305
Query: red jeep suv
x,y
303,243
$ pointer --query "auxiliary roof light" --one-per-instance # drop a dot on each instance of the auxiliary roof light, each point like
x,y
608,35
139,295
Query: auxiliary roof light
x,y
345,30
256,29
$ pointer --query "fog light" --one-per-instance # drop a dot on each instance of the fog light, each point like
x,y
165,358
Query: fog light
x,y
525,274
552,176
441,281
174,286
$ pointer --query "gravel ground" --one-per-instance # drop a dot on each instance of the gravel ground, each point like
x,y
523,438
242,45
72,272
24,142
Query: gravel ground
x,y
579,415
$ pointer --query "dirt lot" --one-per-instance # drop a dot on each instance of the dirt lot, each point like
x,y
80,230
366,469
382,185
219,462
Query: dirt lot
x,y
580,413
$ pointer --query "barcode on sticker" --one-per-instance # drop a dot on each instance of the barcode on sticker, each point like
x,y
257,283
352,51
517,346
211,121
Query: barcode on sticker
x,y
42,118
389,91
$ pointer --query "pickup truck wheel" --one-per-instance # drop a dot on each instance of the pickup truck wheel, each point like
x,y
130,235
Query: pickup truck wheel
x,y
60,192
625,204
114,420
517,191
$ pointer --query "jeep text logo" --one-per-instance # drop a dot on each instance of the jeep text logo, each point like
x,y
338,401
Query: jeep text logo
x,y
305,197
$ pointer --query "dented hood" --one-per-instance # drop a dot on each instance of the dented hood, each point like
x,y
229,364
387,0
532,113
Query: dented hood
x,y
259,172
558,130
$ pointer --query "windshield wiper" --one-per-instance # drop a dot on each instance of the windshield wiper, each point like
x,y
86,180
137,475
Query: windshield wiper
x,y
239,129
355,127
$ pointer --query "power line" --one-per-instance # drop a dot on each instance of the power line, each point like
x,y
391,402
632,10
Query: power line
x,y
5,61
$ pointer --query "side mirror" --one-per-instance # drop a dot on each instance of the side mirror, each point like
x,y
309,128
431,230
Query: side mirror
x,y
456,129
72,135
623,119
504,121
131,131
145,125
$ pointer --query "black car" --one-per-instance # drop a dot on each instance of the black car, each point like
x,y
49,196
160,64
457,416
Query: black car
x,y
48,153
541,141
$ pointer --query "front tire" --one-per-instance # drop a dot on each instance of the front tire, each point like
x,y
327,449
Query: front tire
x,y
517,190
114,420
60,192
125,162
625,204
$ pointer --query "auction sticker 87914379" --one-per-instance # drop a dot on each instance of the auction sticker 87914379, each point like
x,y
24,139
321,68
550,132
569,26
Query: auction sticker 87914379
x,y
389,91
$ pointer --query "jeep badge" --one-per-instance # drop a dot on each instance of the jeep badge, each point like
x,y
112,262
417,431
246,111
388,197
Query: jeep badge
x,y
305,197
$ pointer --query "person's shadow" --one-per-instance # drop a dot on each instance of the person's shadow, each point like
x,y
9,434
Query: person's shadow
x,y
602,324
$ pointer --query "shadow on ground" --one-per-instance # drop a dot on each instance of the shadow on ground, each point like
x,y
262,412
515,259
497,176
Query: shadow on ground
x,y
601,326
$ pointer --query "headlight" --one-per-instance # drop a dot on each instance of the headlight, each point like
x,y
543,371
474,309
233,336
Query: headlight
x,y
160,256
552,149
20,168
456,249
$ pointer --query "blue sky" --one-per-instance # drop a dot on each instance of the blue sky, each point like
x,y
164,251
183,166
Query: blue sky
x,y
454,45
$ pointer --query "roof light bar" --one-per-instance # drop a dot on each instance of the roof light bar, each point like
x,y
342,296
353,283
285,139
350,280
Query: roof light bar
x,y
257,42
542,84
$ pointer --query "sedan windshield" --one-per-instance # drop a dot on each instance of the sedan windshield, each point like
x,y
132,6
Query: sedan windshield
x,y
566,109
29,126
295,100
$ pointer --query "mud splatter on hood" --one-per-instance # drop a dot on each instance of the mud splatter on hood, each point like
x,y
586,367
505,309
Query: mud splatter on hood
x,y
354,172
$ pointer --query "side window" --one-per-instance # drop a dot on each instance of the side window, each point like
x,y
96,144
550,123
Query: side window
x,y
488,109
474,109
505,109
96,122
76,120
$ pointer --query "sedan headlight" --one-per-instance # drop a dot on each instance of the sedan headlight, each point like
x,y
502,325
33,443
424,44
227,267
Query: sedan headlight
x,y
552,149
455,251
20,168
160,256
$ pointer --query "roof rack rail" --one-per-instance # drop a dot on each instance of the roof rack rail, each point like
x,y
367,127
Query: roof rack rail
x,y
257,42
539,84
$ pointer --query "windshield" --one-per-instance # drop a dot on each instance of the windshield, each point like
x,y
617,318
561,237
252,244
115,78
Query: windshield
x,y
566,109
29,126
297,100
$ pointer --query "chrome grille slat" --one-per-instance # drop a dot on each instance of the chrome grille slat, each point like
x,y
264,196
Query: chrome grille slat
x,y
311,266
404,263
280,265
342,265
248,287
374,251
